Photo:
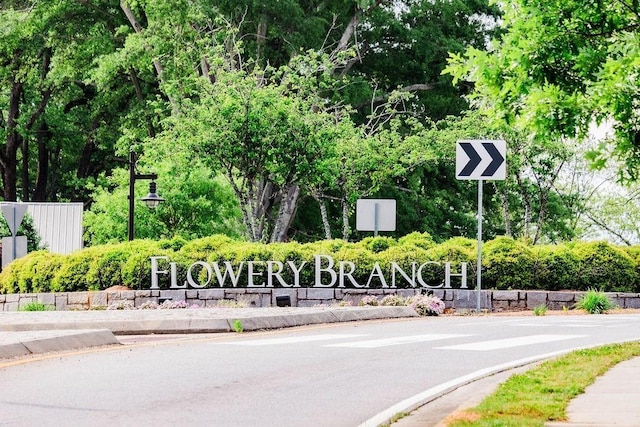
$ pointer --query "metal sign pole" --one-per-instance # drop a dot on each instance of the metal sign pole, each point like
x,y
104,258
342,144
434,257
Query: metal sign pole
x,y
479,266
375,219
15,240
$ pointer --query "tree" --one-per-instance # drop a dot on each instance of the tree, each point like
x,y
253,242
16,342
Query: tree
x,y
54,131
561,66
197,203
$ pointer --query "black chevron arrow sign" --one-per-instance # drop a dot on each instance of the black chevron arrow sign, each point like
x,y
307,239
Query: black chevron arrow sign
x,y
481,160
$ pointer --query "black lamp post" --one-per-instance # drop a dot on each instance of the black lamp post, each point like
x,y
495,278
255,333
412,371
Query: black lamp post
x,y
152,200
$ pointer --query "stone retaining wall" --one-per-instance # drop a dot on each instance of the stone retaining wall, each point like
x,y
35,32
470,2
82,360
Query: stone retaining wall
x,y
458,299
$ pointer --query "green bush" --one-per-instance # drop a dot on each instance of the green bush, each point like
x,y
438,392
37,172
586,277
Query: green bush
x,y
136,269
556,268
405,257
604,267
106,270
421,240
456,251
507,264
377,244
72,275
634,254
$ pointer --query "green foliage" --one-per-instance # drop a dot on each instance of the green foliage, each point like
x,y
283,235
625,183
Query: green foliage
x,y
540,310
421,240
604,267
26,229
556,268
377,244
507,264
35,306
595,302
73,272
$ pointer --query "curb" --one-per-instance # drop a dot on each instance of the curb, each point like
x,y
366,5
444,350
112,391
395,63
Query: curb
x,y
17,344
23,335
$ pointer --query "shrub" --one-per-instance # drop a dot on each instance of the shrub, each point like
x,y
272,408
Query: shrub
x,y
456,251
106,270
72,274
405,257
595,302
393,300
556,268
604,267
371,300
135,271
377,244
207,245
427,305
507,264
420,240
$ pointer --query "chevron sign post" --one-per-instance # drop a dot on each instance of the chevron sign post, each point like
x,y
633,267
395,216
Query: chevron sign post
x,y
481,160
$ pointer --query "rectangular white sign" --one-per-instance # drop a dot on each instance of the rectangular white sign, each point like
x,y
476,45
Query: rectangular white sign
x,y
376,215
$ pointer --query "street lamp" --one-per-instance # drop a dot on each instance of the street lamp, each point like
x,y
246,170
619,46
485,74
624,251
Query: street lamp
x,y
152,200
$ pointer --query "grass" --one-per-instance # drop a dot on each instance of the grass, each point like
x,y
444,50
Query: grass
x,y
237,326
595,302
540,310
542,394
35,306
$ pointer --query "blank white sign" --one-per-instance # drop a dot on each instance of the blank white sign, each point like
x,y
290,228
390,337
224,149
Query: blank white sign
x,y
366,214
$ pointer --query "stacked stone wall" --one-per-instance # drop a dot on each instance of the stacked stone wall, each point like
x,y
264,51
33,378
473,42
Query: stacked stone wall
x,y
458,299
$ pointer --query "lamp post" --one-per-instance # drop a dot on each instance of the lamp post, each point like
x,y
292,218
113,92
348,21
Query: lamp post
x,y
152,200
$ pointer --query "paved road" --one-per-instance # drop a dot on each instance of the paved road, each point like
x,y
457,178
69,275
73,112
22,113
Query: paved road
x,y
333,375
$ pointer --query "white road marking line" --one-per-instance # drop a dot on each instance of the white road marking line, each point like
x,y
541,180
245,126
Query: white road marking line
x,y
509,342
295,340
385,342
568,325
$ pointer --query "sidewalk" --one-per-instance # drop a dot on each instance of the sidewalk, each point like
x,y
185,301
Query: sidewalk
x,y
613,400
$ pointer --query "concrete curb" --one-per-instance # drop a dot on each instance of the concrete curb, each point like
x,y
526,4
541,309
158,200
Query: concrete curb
x,y
28,333
16,344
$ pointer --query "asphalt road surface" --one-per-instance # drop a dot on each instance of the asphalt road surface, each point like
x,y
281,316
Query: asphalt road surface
x,y
334,375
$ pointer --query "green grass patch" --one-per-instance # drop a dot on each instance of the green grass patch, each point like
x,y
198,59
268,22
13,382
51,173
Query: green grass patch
x,y
595,302
543,393
35,306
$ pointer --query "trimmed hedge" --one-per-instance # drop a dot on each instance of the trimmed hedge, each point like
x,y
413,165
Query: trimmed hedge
x,y
507,263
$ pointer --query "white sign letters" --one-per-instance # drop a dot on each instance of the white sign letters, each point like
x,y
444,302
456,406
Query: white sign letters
x,y
327,273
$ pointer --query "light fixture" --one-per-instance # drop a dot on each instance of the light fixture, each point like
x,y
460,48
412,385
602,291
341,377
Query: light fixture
x,y
152,200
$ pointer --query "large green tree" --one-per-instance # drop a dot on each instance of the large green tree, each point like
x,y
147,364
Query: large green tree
x,y
560,67
57,131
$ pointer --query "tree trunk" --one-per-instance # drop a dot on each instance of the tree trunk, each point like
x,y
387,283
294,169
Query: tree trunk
x,y
286,213
135,24
9,156
346,230
504,197
42,174
261,37
325,218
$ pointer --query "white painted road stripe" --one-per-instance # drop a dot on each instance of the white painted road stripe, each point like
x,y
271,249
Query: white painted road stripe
x,y
509,342
295,340
396,341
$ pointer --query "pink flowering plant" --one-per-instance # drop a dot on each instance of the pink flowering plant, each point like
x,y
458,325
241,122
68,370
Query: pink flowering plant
x,y
427,305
